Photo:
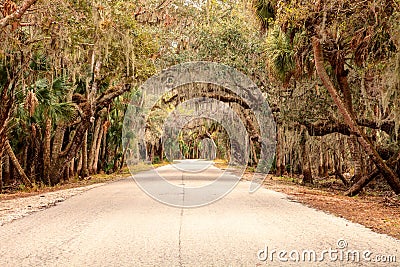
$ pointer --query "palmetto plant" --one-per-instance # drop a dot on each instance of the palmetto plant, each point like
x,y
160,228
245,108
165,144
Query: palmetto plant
x,y
265,11
52,107
51,100
41,108
280,53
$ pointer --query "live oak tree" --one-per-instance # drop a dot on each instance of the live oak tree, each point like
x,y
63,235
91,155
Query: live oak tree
x,y
342,51
97,50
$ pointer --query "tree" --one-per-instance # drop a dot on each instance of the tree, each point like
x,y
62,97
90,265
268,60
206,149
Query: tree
x,y
347,40
100,52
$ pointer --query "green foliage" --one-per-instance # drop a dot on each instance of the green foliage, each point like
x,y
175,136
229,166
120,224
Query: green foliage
x,y
280,53
222,32
52,100
265,11
3,74
39,62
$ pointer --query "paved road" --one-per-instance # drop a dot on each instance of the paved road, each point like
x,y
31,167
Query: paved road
x,y
119,225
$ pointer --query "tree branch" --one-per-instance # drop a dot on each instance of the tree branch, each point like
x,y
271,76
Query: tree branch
x,y
4,22
107,97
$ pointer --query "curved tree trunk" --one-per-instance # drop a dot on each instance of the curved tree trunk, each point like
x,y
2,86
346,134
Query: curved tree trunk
x,y
363,181
87,111
16,164
387,172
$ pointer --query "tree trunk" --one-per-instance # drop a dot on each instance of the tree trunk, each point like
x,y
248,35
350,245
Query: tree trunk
x,y
88,110
79,166
93,147
279,152
363,181
46,153
326,163
57,142
162,152
6,168
24,159
338,169
85,171
388,173
72,168
305,159
97,151
1,172
152,153
321,159
124,154
33,165
16,164
6,107
104,145
356,158
115,167
66,172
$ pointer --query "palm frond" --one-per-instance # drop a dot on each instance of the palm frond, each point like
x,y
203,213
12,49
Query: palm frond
x,y
265,11
64,111
280,53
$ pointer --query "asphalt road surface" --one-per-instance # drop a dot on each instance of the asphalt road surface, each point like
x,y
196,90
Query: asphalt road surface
x,y
119,225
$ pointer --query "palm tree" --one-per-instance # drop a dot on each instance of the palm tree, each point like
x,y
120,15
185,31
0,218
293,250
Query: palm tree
x,y
51,109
